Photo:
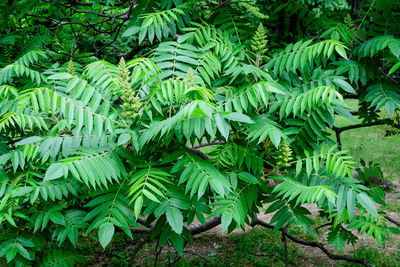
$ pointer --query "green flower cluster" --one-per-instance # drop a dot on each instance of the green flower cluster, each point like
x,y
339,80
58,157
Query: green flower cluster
x,y
7,55
131,103
348,22
70,68
283,155
259,41
249,6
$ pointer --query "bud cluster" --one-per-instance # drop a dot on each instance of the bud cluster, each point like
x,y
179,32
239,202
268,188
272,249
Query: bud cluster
x,y
131,103
259,41
252,9
7,54
283,155
71,68
348,22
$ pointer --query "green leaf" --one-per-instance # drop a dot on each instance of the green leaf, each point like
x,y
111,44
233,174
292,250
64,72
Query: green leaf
x,y
275,87
175,219
60,76
298,166
222,125
177,242
55,171
147,22
236,116
367,203
395,231
22,251
29,140
124,138
131,31
394,68
226,220
138,206
247,177
22,191
351,204
341,51
106,232
344,85
341,200
11,253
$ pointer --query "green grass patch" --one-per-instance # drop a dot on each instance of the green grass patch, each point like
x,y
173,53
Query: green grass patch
x,y
371,144
258,247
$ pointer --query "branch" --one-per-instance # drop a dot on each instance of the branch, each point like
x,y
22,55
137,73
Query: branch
x,y
198,153
144,222
323,225
133,52
392,220
194,229
199,228
355,126
139,230
92,13
76,3
7,168
311,244
119,27
203,144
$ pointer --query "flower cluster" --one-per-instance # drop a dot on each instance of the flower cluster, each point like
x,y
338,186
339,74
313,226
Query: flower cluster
x,y
283,155
259,41
71,68
131,103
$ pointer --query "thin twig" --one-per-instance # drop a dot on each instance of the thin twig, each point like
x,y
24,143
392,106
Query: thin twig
x,y
158,252
286,251
7,168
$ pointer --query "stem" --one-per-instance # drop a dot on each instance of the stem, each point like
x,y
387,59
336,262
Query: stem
x,y
198,153
392,220
338,140
323,225
194,229
157,252
286,252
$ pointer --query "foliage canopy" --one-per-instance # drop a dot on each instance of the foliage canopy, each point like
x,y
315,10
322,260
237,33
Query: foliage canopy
x,y
120,113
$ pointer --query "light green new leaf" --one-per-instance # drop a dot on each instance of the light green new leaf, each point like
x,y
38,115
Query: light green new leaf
x,y
367,203
106,232
55,171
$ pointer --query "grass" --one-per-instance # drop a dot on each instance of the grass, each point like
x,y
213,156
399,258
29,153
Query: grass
x,y
370,144
258,247
376,257
393,206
